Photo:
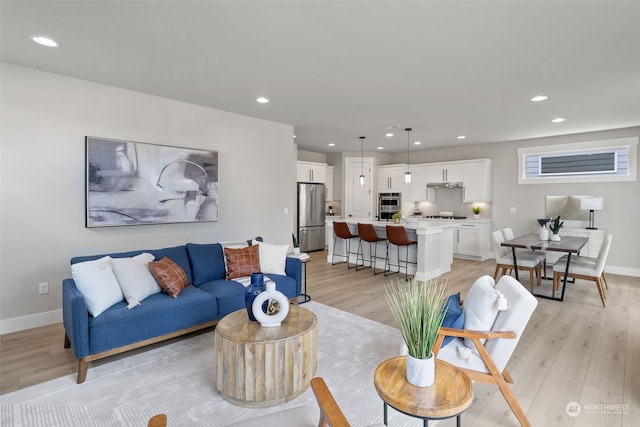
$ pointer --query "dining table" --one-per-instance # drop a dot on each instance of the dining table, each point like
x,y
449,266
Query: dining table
x,y
569,244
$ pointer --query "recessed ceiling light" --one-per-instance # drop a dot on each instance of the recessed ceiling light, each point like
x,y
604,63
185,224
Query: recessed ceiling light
x,y
262,100
45,41
380,148
417,143
389,135
558,120
331,144
461,137
539,98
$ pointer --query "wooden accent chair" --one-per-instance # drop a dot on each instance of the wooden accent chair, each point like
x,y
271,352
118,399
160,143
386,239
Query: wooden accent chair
x,y
397,235
341,231
527,261
330,413
586,268
368,234
488,365
159,420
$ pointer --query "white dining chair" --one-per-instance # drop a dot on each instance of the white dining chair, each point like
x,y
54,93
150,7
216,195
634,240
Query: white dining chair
x,y
507,233
586,268
527,261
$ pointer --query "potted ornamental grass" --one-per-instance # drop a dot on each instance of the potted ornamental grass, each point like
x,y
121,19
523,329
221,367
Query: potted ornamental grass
x,y
418,308
396,217
296,244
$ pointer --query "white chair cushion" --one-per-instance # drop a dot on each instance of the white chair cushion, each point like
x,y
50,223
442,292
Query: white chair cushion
x,y
585,266
525,259
481,306
515,318
450,354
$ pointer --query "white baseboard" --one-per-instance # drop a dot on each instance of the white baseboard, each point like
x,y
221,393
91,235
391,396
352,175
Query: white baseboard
x,y
624,271
32,321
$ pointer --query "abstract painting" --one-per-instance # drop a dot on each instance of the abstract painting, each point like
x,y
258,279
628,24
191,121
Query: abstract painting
x,y
133,183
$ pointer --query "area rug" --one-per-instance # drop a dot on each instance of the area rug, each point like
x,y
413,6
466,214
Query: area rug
x,y
177,379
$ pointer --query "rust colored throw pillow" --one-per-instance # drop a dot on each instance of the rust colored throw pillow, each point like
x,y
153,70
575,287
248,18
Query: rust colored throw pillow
x,y
169,275
242,262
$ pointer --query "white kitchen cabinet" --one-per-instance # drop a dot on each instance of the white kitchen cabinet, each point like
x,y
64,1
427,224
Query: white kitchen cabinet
x,y
312,172
472,240
329,182
391,178
444,172
476,178
418,191
357,200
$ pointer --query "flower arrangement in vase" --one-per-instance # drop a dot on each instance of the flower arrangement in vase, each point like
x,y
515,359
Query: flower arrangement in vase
x,y
418,308
555,227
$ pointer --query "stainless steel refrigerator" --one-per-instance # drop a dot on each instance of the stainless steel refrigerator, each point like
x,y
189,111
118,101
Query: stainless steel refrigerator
x,y
311,226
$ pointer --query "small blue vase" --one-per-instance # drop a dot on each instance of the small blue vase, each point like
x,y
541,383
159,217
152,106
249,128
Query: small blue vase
x,y
253,290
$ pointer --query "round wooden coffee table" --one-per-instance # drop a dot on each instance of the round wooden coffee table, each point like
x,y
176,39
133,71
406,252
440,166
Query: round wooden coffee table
x,y
258,367
448,397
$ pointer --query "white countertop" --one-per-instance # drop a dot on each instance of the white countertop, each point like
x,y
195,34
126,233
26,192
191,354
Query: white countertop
x,y
410,226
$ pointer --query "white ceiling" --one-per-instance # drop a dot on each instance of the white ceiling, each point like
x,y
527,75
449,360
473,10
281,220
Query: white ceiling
x,y
336,70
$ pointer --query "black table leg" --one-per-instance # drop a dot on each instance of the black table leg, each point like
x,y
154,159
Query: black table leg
x,y
566,274
305,297
515,263
385,414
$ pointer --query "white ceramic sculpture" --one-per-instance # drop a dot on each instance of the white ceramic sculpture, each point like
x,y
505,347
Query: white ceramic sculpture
x,y
268,320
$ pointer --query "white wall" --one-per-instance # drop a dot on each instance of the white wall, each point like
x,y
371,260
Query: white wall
x,y
45,118
620,216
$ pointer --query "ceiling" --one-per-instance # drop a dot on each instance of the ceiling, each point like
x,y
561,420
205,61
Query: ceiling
x,y
338,70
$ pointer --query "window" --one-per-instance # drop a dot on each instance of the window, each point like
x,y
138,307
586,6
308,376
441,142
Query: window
x,y
609,160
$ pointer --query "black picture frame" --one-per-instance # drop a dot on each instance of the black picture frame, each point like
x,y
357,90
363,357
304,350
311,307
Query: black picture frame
x,y
135,183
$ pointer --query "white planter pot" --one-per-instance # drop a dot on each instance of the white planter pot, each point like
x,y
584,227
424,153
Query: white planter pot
x,y
555,238
296,251
421,372
476,216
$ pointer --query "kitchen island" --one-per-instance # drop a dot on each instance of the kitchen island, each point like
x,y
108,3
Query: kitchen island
x,y
431,257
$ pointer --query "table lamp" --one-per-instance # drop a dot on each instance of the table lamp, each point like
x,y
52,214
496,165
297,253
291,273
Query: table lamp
x,y
591,204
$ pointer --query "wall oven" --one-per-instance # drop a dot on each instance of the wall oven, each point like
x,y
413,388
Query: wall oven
x,y
388,204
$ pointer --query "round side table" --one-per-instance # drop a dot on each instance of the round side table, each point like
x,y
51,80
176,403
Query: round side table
x,y
449,396
258,367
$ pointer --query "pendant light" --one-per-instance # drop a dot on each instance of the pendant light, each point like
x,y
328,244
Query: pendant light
x,y
362,161
407,174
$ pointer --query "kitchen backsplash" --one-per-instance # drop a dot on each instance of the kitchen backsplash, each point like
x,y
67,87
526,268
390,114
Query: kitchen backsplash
x,y
450,199
335,204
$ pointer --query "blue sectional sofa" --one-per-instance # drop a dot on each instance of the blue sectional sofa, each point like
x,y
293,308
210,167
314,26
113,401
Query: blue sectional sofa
x,y
160,316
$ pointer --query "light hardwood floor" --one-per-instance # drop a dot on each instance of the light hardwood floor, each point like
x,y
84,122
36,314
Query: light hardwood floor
x,y
571,351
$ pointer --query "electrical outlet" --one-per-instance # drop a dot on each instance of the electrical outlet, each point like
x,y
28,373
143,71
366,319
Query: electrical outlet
x,y
43,288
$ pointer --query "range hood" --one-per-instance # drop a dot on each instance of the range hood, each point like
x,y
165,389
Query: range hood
x,y
445,185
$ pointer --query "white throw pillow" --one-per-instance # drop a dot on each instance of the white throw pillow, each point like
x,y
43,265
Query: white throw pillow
x,y
98,284
481,306
273,258
134,277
